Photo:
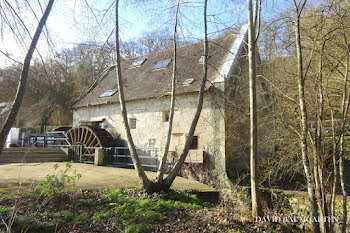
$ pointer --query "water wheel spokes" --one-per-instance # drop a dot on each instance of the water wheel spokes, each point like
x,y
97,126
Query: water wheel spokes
x,y
88,138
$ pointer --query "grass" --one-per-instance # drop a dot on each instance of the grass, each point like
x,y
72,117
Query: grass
x,y
105,177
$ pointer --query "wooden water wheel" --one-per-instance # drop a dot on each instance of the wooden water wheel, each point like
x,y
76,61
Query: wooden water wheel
x,y
84,139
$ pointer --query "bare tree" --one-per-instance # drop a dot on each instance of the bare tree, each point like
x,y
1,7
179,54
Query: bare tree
x,y
345,108
163,160
176,169
146,183
298,7
159,184
151,42
23,79
252,39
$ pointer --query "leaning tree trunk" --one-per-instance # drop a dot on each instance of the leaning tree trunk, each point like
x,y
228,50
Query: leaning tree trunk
x,y
304,126
256,207
133,153
163,161
174,172
23,79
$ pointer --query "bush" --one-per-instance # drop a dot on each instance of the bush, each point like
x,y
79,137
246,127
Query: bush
x,y
147,210
57,182
112,195
102,215
81,218
66,215
85,203
32,226
5,211
276,200
135,228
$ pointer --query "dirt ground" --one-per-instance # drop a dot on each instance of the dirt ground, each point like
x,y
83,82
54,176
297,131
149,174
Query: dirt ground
x,y
92,177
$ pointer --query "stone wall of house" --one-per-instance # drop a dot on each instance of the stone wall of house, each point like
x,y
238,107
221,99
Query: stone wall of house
x,y
151,130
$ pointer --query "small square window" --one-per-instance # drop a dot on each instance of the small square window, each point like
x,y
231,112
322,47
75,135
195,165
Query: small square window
x,y
151,142
108,93
194,144
166,115
187,82
201,60
138,62
132,123
162,64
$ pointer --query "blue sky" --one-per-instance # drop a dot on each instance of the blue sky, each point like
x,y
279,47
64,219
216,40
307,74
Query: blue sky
x,y
73,21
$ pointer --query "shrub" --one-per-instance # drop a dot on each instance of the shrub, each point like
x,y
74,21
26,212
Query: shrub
x,y
135,228
5,211
102,215
81,218
56,182
85,202
66,215
32,226
276,200
112,195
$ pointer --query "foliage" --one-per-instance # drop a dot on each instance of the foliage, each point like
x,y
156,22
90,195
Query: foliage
x,y
32,226
5,211
66,215
85,202
57,182
136,228
102,215
115,210
146,210
276,200
81,218
135,214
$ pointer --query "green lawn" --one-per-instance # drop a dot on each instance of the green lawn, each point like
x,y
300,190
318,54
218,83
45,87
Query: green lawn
x,y
93,177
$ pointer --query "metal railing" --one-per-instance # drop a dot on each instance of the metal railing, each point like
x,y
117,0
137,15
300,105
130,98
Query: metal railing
x,y
120,157
48,139
116,156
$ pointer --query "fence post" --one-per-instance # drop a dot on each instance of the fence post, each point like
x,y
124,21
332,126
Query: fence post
x,y
80,149
99,156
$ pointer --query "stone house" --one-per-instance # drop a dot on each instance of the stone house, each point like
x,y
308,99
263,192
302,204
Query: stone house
x,y
217,146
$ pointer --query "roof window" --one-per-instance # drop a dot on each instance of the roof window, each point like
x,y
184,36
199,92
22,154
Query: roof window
x,y
108,93
138,62
188,81
162,64
201,60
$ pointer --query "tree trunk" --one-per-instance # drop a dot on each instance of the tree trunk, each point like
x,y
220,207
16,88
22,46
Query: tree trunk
x,y
335,172
342,182
256,207
23,79
162,165
46,115
304,120
133,153
174,172
318,166
345,107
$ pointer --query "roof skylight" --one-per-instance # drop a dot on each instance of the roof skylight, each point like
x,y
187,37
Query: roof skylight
x,y
108,93
162,64
188,81
138,62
